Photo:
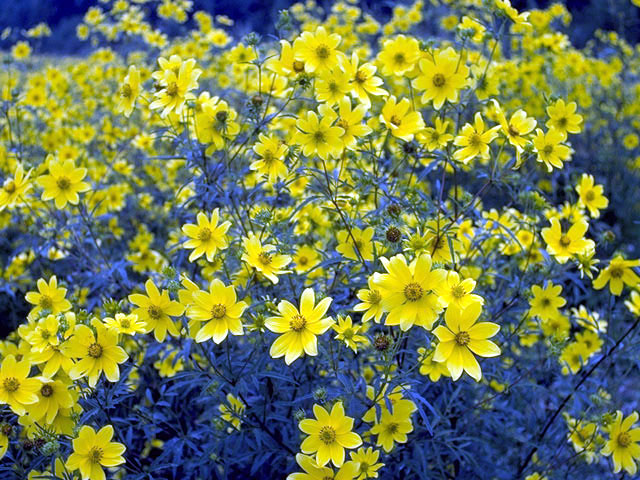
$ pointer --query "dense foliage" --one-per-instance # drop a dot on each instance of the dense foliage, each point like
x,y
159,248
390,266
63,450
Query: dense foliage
x,y
351,249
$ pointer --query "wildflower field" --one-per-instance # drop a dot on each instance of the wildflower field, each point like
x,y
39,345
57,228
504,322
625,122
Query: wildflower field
x,y
355,247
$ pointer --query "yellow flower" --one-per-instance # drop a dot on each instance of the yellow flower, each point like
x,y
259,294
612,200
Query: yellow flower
x,y
306,258
313,471
516,129
441,77
92,451
232,411
126,324
49,298
298,328
350,120
475,140
618,274
317,136
63,183
367,461
262,258
329,434
177,78
363,80
363,242
332,86
95,353
399,55
392,428
402,123
371,302
461,338
591,195
318,50
21,51
129,92
215,124
546,302
408,291
348,333
435,137
220,309
156,309
53,395
14,188
428,366
456,292
16,389
623,443
207,237
565,245
272,152
550,149
563,118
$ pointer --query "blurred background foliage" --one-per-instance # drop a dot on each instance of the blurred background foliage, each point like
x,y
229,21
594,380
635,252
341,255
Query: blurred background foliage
x,y
260,16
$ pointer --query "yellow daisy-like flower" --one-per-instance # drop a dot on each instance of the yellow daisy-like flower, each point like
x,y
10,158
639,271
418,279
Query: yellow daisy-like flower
x,y
474,140
408,291
207,237
623,443
129,92
220,309
271,151
363,243
392,428
178,81
318,51
348,333
618,274
313,471
317,136
364,82
550,149
402,123
95,353
456,292
399,55
156,309
53,395
299,328
49,297
461,338
546,301
371,302
563,246
563,118
442,76
14,188
262,258
591,195
16,389
428,366
329,435
92,451
63,183
126,324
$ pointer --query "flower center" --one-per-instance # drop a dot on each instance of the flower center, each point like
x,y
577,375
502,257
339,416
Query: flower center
x,y
342,123
322,51
11,384
95,454
413,292
154,312
319,137
438,80
95,350
218,311
172,89
126,91
125,323
458,291
616,272
361,76
624,439
374,297
590,196
475,140
303,260
298,66
63,183
462,338
395,120
10,186
264,258
327,435
46,302
400,59
565,241
548,149
297,323
204,235
392,428
222,115
513,131
46,390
